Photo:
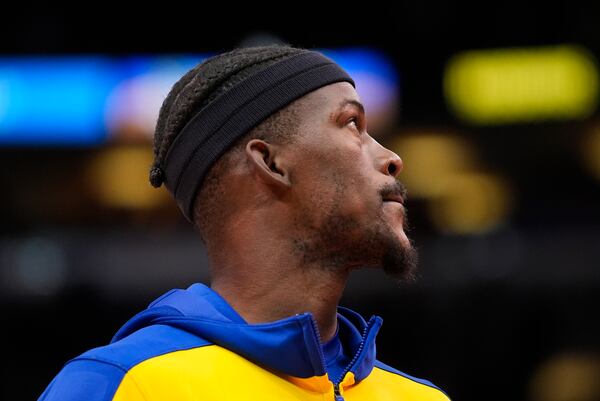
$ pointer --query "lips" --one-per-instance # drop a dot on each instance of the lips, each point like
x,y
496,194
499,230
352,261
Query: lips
x,y
394,198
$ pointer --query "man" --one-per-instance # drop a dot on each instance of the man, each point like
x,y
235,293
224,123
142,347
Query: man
x,y
266,151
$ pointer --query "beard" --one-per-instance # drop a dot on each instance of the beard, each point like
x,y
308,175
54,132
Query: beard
x,y
343,242
399,261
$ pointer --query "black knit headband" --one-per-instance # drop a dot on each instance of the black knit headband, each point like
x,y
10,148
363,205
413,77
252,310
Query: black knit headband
x,y
216,127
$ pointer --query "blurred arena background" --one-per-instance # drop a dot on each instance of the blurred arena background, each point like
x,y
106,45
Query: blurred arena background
x,y
493,108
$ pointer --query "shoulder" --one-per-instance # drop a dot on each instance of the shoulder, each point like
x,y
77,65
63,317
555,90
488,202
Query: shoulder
x,y
148,342
97,374
409,384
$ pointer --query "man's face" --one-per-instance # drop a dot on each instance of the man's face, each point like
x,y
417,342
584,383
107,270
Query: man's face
x,y
345,190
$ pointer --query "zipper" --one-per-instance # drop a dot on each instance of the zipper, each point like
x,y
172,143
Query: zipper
x,y
336,384
317,338
336,392
358,352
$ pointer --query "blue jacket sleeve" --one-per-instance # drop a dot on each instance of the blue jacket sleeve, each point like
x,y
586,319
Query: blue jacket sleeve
x,y
84,379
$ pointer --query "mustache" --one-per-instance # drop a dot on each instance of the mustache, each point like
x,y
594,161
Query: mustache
x,y
396,188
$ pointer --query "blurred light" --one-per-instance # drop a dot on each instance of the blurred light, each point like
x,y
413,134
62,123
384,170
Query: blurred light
x,y
85,100
76,100
443,168
377,84
591,151
38,267
471,203
119,178
429,157
53,100
133,104
375,75
518,85
567,377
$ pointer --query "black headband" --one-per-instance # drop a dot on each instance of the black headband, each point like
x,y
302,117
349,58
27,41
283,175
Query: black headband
x,y
216,127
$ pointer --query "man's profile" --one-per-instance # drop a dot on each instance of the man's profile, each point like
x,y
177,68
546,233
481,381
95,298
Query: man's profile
x,y
266,151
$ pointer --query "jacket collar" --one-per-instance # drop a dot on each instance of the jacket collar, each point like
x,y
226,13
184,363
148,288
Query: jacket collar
x,y
290,346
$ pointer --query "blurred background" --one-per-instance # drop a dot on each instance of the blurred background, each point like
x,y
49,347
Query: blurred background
x,y
493,108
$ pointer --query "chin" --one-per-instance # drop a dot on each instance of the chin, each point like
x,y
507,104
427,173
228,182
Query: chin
x,y
400,259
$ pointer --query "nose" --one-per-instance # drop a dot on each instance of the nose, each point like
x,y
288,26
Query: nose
x,y
386,161
391,163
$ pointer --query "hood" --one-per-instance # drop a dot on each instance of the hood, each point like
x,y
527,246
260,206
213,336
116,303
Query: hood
x,y
291,346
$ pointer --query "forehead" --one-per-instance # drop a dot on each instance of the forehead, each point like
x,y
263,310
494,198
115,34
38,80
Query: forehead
x,y
329,98
320,110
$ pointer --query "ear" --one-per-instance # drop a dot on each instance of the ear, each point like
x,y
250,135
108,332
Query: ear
x,y
267,161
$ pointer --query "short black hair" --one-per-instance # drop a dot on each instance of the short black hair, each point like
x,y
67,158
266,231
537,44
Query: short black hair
x,y
199,87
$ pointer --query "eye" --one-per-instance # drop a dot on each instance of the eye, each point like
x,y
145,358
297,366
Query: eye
x,y
356,122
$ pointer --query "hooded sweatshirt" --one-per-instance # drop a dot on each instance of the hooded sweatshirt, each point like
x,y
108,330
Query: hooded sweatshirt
x,y
192,345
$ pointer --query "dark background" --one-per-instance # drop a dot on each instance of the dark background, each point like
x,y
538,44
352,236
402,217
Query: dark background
x,y
492,314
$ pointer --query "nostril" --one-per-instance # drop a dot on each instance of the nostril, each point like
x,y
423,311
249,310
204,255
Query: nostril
x,y
392,168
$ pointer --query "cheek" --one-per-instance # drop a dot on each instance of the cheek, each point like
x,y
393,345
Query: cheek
x,y
356,195
338,179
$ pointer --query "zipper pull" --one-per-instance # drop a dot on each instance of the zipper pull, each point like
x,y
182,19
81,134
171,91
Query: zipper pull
x,y
336,393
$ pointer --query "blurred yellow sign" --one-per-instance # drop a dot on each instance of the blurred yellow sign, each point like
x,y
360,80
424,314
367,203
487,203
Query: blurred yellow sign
x,y
522,84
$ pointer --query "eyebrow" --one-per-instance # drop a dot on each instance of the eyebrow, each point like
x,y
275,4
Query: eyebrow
x,y
356,103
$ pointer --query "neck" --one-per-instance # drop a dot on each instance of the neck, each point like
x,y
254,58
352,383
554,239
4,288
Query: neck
x,y
264,280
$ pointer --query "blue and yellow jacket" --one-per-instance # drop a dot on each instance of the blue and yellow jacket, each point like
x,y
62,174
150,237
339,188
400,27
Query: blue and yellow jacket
x,y
192,345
